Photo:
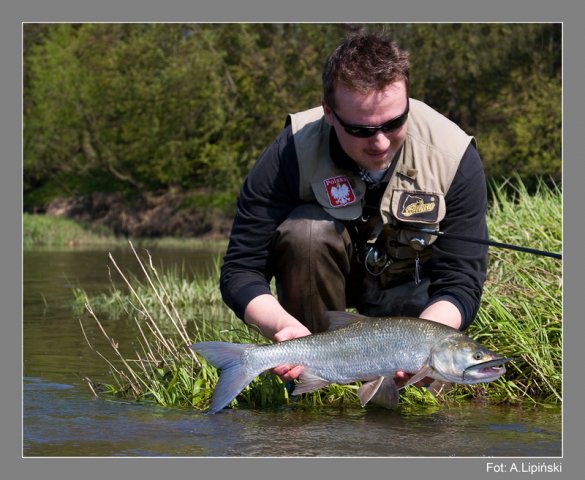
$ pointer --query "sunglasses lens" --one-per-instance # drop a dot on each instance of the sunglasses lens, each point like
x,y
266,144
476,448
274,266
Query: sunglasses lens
x,y
365,132
395,124
361,132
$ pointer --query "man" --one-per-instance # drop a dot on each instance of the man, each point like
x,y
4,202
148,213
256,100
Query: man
x,y
334,208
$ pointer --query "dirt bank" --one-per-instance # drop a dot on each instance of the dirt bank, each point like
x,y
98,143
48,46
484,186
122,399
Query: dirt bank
x,y
149,215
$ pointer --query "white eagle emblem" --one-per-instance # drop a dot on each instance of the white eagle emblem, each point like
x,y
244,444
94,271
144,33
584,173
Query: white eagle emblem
x,y
339,191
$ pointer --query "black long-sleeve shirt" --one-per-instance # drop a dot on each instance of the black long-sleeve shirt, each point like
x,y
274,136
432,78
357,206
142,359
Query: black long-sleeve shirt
x,y
271,191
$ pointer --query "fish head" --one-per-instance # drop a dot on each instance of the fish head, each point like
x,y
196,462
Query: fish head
x,y
459,359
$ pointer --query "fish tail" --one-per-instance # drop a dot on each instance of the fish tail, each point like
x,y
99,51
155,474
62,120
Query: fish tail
x,y
234,376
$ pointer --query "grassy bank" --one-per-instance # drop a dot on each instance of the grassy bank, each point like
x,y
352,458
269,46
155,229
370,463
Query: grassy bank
x,y
520,316
42,231
521,309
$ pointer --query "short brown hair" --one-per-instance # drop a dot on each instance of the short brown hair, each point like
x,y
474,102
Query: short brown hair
x,y
365,62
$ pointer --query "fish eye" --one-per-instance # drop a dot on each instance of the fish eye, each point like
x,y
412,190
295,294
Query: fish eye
x,y
477,356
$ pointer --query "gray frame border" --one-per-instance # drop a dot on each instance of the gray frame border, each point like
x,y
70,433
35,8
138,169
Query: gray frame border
x,y
16,467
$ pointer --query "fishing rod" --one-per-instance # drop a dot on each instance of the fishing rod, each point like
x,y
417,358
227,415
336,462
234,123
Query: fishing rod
x,y
490,243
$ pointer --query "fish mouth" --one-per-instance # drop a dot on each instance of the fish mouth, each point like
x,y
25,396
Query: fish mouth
x,y
487,371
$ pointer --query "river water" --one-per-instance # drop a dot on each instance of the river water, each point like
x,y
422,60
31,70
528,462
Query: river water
x,y
62,418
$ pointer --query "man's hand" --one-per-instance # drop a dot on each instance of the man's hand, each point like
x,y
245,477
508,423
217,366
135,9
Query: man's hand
x,y
400,378
290,372
290,332
276,323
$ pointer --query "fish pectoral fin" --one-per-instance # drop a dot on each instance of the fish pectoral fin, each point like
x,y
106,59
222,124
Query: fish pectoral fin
x,y
309,382
425,371
369,389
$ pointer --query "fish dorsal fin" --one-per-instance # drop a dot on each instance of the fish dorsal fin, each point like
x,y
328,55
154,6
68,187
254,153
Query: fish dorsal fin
x,y
340,319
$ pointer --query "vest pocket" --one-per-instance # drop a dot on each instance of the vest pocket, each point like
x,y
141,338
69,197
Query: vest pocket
x,y
417,206
414,209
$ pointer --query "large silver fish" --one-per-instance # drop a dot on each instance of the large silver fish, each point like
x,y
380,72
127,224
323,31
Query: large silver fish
x,y
357,348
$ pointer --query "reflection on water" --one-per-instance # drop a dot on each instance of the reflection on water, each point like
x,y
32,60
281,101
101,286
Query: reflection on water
x,y
54,346
62,418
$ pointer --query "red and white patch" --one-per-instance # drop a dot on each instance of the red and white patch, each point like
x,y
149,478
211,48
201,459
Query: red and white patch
x,y
339,191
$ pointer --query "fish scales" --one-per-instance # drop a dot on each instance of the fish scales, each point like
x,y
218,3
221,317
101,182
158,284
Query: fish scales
x,y
361,351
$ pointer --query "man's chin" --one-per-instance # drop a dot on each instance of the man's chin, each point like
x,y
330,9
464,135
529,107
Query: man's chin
x,y
377,165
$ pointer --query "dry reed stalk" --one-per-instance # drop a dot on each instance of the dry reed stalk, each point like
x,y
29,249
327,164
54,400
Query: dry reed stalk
x,y
114,346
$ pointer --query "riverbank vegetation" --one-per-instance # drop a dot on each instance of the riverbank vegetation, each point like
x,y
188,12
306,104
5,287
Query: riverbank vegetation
x,y
40,231
47,232
520,317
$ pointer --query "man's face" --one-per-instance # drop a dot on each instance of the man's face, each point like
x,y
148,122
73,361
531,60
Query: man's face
x,y
375,108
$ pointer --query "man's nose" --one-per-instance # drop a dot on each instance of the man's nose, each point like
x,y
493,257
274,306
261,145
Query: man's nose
x,y
380,140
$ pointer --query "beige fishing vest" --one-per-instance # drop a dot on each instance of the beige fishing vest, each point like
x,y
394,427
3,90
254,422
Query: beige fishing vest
x,y
420,177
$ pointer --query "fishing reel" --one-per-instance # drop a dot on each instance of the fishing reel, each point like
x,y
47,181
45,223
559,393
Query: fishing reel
x,y
376,261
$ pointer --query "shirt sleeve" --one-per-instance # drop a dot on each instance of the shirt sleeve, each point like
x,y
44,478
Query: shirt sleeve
x,y
458,268
268,194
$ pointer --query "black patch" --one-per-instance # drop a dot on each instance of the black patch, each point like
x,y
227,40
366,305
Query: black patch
x,y
418,206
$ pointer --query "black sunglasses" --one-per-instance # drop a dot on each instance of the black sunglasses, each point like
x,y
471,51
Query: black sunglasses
x,y
365,131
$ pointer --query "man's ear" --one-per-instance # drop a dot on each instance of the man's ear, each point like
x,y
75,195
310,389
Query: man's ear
x,y
328,113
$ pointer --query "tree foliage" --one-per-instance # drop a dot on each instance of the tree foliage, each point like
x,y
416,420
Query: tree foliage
x,y
189,107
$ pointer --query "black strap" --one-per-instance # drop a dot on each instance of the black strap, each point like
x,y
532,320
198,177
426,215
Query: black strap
x,y
482,241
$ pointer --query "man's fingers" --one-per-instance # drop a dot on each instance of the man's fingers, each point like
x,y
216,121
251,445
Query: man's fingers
x,y
402,377
281,370
294,372
288,372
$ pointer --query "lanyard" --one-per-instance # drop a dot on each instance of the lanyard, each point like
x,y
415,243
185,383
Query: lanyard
x,y
490,243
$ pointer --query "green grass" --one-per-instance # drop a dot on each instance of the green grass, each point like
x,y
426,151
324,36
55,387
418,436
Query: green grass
x,y
521,310
42,231
520,316
52,232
